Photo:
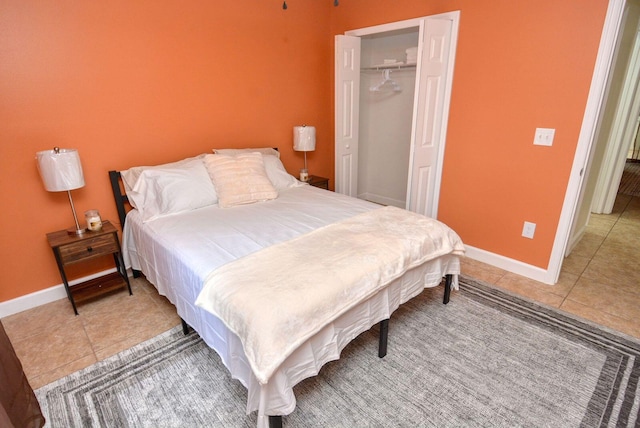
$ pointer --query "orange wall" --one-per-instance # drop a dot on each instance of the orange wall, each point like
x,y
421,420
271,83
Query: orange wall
x,y
153,81
519,66
134,82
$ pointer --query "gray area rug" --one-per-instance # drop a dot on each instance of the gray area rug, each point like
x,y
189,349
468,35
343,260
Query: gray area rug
x,y
487,359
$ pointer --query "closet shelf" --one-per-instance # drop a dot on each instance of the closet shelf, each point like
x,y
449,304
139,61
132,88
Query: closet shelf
x,y
398,66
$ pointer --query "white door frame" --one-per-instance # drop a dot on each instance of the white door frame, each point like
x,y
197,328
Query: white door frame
x,y
623,129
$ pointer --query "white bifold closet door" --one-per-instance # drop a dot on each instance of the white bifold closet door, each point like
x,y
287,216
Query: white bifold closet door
x,y
436,53
347,109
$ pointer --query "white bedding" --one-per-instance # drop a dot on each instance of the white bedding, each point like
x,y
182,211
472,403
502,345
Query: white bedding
x,y
177,253
353,259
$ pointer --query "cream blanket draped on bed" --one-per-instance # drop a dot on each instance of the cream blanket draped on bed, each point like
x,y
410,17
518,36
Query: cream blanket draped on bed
x,y
277,298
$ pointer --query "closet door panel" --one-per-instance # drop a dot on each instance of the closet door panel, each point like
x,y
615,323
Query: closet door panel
x,y
347,88
430,117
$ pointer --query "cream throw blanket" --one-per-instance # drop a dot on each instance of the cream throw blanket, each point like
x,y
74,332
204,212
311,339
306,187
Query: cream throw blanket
x,y
277,298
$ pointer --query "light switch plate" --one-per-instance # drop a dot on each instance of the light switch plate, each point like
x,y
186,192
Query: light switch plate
x,y
544,136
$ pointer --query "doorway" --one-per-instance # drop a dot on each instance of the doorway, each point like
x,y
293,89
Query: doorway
x,y
617,125
617,137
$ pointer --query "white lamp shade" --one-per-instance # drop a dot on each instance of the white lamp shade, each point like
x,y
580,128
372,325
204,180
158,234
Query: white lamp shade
x,y
61,170
304,138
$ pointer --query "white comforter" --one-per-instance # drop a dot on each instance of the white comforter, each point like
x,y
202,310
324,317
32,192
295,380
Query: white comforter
x,y
351,260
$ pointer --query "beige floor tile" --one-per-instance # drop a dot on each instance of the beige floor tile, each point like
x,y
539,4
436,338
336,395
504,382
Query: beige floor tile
x,y
130,341
531,289
167,308
622,254
109,322
630,327
61,371
625,235
621,273
575,264
565,283
49,350
481,271
601,224
606,298
588,245
41,319
142,285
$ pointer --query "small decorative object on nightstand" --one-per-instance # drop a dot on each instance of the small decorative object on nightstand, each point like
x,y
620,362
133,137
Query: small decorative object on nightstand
x,y
69,249
321,182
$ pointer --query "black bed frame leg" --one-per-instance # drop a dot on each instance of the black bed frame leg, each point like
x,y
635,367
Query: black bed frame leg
x,y
185,327
447,288
136,273
275,421
384,333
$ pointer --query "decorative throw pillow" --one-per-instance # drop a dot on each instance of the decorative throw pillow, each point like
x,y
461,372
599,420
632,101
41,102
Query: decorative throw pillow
x,y
276,172
239,179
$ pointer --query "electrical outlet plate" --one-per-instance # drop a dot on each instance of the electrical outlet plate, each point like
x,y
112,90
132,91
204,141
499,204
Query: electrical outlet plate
x,y
544,136
528,230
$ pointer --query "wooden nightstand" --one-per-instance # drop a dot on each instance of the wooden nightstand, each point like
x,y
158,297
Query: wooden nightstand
x,y
69,249
321,182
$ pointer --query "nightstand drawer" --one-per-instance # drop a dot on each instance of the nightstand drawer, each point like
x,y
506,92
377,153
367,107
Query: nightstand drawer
x,y
92,247
320,182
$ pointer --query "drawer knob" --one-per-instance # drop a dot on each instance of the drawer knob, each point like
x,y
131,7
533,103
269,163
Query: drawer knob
x,y
89,249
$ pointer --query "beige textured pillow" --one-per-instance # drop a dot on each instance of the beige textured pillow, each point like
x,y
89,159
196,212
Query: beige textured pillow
x,y
239,179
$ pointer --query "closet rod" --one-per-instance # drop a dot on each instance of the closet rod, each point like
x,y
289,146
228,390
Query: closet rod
x,y
388,67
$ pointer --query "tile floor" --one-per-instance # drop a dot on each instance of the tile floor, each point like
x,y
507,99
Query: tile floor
x,y
599,281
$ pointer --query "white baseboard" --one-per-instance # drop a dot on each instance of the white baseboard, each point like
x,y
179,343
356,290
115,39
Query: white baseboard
x,y
382,200
574,240
42,297
510,265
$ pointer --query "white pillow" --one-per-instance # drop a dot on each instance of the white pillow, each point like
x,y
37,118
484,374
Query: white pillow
x,y
164,191
131,175
239,179
232,152
279,176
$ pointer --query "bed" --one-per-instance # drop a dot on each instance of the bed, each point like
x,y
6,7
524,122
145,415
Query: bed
x,y
266,273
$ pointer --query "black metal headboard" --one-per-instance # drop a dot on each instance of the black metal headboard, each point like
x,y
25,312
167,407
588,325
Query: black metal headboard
x,y
119,196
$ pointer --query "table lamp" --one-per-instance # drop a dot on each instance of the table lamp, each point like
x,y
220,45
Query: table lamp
x,y
61,171
304,140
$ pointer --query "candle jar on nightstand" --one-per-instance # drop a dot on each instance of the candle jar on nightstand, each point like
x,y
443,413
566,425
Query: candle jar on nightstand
x,y
94,222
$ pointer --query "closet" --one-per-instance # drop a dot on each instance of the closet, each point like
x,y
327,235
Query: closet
x,y
387,84
392,93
